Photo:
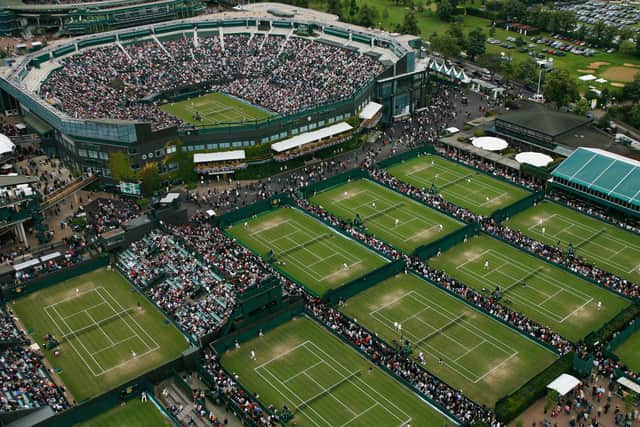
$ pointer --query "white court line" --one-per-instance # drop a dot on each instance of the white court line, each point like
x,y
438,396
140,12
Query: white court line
x,y
99,327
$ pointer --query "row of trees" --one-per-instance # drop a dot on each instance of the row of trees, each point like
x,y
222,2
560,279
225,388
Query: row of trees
x,y
453,41
367,15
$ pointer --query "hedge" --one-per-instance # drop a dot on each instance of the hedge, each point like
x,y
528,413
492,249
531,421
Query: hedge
x,y
509,407
618,323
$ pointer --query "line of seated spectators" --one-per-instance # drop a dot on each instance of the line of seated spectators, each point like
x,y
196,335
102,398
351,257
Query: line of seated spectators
x,y
24,382
178,282
71,253
279,74
103,215
9,332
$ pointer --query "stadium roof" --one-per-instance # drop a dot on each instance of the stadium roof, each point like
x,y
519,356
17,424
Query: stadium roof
x,y
604,172
549,122
220,156
308,137
12,180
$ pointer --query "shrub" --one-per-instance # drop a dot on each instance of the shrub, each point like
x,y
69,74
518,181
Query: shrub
x,y
478,132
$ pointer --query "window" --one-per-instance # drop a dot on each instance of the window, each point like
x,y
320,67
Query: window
x,y
82,153
171,149
103,155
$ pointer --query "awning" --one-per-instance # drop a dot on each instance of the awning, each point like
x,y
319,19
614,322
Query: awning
x,y
370,110
587,77
52,255
220,156
534,159
490,143
631,385
308,137
169,198
452,129
211,213
6,146
26,264
564,384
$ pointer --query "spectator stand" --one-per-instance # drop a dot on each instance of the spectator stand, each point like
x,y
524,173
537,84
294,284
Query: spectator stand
x,y
219,163
310,142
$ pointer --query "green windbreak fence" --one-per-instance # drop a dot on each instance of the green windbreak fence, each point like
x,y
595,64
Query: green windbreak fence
x,y
333,181
293,309
623,335
365,282
58,276
427,149
429,250
518,206
254,209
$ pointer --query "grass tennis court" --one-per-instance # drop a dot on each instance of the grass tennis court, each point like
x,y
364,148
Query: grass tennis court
x,y
134,414
312,253
394,218
463,347
458,184
323,381
629,351
99,325
545,293
606,245
215,109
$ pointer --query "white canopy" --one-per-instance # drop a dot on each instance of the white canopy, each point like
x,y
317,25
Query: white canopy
x,y
490,143
601,80
220,156
452,129
6,146
370,110
564,384
169,198
31,263
52,255
624,381
307,137
211,213
534,159
587,77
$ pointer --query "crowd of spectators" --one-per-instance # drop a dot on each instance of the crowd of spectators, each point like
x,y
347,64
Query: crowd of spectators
x,y
9,331
102,215
8,129
69,253
281,74
24,382
227,386
185,288
52,173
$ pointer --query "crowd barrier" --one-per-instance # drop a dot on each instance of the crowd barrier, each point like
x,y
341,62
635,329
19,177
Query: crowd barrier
x,y
623,335
518,206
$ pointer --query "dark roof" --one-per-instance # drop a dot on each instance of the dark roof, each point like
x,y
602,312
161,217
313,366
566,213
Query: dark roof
x,y
541,119
11,180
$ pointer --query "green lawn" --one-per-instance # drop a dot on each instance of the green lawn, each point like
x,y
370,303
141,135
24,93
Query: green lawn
x,y
605,245
323,381
458,184
463,347
134,414
629,351
96,319
313,254
394,218
215,109
546,294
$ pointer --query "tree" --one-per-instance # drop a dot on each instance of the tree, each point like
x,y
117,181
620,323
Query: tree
x,y
120,167
638,45
627,47
445,44
353,8
455,31
150,177
552,400
582,106
631,90
410,24
475,44
560,87
446,11
368,16
334,7
514,10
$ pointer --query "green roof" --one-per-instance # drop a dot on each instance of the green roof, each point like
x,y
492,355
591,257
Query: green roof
x,y
541,119
607,173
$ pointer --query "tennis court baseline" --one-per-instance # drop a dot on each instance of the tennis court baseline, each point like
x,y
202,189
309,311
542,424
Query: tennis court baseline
x,y
606,245
315,255
462,346
396,219
464,186
323,381
543,292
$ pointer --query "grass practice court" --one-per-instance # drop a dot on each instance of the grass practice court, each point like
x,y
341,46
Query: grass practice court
x,y
629,351
545,293
458,184
462,346
324,382
404,223
606,245
105,337
134,414
315,255
215,109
